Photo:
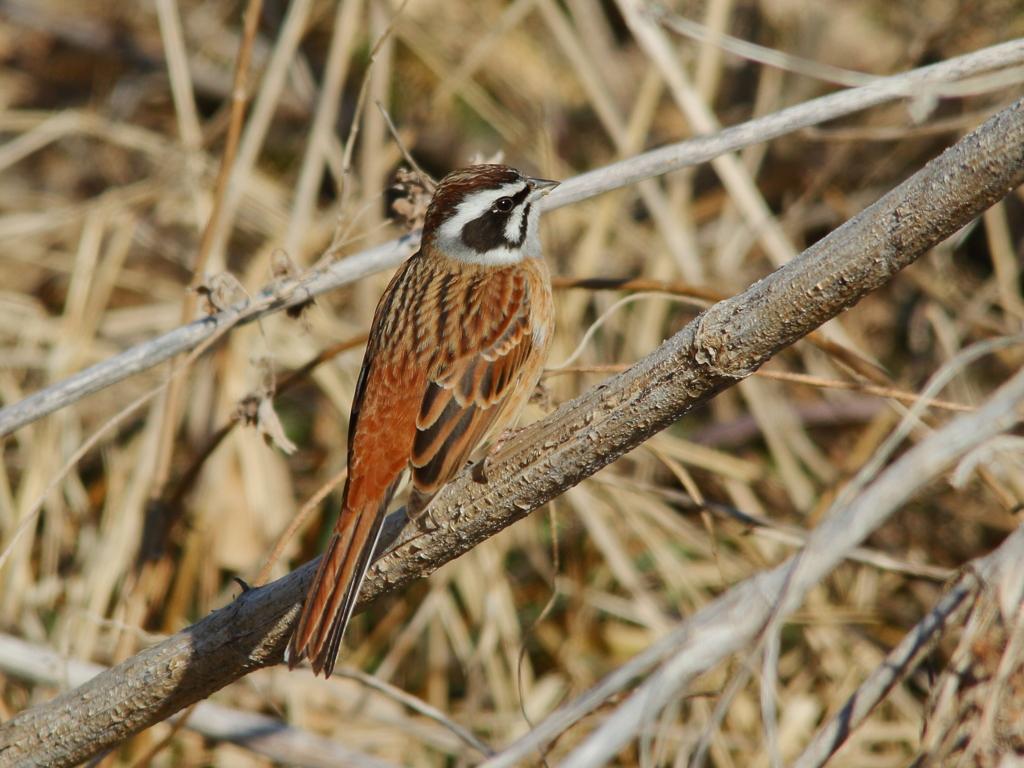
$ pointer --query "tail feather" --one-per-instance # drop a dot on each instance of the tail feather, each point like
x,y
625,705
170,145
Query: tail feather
x,y
335,591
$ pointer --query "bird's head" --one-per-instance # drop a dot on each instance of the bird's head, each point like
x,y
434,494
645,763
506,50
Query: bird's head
x,y
486,214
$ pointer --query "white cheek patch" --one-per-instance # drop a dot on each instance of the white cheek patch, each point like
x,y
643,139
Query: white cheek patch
x,y
531,245
514,225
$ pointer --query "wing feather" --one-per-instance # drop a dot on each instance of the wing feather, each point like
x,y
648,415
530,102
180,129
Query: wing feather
x,y
467,396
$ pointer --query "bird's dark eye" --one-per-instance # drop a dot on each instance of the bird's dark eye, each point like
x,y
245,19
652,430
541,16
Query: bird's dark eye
x,y
503,205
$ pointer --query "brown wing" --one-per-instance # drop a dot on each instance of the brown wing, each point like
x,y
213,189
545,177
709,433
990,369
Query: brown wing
x,y
381,429
472,396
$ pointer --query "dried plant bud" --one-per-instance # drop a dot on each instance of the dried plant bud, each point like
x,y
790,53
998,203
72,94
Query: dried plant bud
x,y
298,312
282,265
414,196
219,290
257,410
282,268
248,407
269,425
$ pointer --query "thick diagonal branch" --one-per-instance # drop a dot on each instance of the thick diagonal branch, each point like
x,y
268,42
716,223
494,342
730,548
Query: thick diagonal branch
x,y
722,346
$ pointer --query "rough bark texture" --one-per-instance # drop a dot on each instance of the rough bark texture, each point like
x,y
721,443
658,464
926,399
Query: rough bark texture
x,y
723,345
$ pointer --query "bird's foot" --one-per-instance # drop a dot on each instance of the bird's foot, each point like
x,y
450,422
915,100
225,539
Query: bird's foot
x,y
424,520
541,394
479,470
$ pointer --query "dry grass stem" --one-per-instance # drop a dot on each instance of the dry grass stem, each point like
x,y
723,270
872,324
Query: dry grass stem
x,y
748,575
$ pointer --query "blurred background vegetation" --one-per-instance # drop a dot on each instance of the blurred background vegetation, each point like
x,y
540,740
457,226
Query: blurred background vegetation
x,y
106,184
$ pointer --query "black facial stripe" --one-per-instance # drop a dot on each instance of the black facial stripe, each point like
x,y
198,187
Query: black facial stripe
x,y
487,232
524,224
520,196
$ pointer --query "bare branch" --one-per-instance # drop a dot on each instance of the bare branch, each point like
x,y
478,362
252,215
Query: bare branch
x,y
582,187
912,648
264,735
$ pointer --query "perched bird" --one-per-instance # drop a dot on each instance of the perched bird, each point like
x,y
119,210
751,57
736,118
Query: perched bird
x,y
457,346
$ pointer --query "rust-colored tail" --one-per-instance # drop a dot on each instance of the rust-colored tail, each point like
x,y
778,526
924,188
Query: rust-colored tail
x,y
335,589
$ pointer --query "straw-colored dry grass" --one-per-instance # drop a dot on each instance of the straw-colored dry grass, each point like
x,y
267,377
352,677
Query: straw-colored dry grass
x,y
107,179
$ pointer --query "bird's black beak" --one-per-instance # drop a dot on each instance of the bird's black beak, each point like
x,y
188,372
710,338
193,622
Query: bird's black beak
x,y
540,188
